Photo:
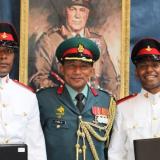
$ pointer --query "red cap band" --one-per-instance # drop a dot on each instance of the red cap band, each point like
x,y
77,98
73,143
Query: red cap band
x,y
75,50
148,51
6,36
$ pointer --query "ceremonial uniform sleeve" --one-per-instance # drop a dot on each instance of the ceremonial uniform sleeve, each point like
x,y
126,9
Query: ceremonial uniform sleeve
x,y
34,137
116,149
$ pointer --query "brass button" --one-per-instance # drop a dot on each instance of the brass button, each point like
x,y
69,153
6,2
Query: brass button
x,y
155,118
80,151
6,124
24,114
155,136
80,117
6,141
4,105
134,126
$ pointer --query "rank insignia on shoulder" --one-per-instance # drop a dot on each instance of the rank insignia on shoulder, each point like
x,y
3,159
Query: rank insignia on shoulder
x,y
60,111
101,114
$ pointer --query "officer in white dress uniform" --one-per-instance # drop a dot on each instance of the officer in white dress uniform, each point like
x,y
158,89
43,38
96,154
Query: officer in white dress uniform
x,y
138,115
19,114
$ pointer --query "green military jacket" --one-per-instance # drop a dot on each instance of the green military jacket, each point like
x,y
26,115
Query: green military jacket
x,y
69,134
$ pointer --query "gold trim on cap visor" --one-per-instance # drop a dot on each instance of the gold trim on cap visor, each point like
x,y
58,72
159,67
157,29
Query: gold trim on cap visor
x,y
79,58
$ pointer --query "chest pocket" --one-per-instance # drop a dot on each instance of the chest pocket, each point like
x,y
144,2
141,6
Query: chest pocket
x,y
19,119
136,129
20,115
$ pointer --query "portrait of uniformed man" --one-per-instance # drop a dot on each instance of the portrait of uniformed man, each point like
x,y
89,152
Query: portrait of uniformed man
x,y
74,20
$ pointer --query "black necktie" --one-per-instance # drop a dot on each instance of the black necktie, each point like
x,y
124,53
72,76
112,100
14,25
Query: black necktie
x,y
79,97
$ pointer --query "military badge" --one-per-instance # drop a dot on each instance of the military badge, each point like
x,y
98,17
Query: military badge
x,y
60,111
148,48
4,35
101,114
80,48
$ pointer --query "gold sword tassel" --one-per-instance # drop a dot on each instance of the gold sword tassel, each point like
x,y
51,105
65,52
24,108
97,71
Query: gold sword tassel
x,y
84,146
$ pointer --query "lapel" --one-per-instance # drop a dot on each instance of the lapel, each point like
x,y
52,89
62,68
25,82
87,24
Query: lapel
x,y
66,100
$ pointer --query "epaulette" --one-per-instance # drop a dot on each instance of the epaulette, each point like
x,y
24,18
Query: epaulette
x,y
106,91
40,89
52,30
56,77
23,85
109,93
93,31
126,98
96,34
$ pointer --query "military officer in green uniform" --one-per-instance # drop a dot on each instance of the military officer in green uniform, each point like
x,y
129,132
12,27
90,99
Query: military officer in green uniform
x,y
76,118
76,17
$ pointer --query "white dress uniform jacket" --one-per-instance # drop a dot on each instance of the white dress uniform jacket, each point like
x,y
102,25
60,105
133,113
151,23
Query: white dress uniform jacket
x,y
138,117
19,118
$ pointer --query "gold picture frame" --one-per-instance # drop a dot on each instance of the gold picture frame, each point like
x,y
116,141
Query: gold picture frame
x,y
124,49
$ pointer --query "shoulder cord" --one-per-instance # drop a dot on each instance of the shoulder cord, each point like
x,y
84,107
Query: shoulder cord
x,y
86,130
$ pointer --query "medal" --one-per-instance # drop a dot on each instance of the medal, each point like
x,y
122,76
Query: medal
x,y
101,114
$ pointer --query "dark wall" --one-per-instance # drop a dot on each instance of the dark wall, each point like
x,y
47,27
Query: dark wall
x,y
10,13
145,22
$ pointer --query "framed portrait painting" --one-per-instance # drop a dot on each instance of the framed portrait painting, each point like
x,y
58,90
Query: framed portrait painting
x,y
45,24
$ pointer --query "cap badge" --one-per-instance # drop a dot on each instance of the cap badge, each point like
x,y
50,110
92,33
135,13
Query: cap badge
x,y
4,35
60,111
148,48
80,48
